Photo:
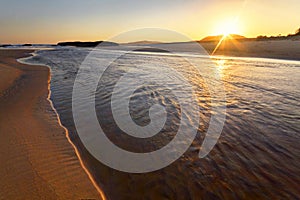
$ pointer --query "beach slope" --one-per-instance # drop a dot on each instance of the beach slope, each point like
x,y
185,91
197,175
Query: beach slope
x,y
37,160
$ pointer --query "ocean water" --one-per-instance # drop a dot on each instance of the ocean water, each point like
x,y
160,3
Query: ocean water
x,y
257,155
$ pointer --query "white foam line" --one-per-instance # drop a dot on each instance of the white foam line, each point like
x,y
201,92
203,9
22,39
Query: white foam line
x,y
21,60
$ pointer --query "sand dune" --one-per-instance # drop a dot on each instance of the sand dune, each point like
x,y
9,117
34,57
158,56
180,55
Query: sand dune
x,y
279,49
37,161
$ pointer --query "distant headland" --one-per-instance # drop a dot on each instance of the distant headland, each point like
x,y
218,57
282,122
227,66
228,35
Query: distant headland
x,y
87,44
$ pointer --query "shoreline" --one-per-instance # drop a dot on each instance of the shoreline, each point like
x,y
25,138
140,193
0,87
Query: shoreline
x,y
48,167
92,179
75,148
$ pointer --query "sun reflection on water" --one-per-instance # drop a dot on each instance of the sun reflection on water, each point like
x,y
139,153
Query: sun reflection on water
x,y
221,66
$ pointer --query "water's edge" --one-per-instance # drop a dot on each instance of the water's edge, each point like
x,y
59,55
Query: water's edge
x,y
23,61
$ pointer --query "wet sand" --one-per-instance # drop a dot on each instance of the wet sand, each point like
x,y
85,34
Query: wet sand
x,y
37,160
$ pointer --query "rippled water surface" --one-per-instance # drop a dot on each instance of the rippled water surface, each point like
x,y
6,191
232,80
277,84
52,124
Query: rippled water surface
x,y
257,155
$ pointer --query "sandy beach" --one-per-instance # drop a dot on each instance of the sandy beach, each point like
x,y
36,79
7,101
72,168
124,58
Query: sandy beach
x,y
37,160
278,49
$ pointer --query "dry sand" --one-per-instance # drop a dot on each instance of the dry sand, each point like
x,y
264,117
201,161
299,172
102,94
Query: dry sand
x,y
279,49
37,160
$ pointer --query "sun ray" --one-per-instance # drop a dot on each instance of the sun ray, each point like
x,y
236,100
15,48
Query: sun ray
x,y
225,30
219,44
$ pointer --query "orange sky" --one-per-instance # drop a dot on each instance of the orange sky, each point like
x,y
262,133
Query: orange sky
x,y
65,20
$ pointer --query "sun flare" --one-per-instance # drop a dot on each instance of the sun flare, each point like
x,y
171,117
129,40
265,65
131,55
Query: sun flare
x,y
227,27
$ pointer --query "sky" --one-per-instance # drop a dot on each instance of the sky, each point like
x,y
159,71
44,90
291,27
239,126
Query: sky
x,y
41,21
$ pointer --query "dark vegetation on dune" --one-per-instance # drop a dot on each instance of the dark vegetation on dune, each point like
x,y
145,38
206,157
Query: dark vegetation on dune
x,y
295,36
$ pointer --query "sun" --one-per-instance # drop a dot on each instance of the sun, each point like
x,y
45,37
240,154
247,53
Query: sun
x,y
227,27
